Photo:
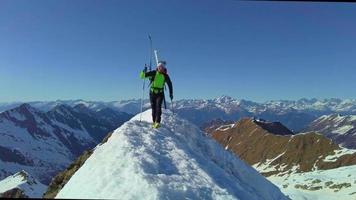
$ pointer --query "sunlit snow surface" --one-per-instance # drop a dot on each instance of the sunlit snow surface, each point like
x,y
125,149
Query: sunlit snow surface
x,y
176,161
332,184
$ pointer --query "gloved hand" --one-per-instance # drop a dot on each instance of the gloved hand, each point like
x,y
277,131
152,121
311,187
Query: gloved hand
x,y
171,96
143,72
142,75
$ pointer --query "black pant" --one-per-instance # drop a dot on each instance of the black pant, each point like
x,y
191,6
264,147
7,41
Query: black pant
x,y
156,105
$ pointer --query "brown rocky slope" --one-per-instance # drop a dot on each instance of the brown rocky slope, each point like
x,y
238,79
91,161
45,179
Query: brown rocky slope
x,y
273,151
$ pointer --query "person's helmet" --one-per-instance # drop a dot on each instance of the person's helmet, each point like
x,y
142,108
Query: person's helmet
x,y
164,63
161,67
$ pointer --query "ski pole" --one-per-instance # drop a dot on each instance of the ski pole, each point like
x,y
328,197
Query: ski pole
x,y
143,93
172,106
151,50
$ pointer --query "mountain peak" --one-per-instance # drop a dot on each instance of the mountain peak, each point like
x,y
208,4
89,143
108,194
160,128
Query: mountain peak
x,y
81,107
276,128
25,107
62,108
176,161
20,112
224,99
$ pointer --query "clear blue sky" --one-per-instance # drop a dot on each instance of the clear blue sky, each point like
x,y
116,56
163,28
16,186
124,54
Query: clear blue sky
x,y
94,50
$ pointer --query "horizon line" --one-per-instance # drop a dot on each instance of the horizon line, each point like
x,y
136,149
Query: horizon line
x,y
212,98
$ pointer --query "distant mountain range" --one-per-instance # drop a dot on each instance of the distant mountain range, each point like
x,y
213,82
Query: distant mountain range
x,y
129,106
291,161
45,142
296,115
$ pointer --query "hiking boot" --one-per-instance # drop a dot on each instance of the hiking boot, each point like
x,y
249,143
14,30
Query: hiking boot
x,y
156,125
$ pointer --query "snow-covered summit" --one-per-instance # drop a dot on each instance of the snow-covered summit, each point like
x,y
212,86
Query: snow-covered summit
x,y
176,161
224,99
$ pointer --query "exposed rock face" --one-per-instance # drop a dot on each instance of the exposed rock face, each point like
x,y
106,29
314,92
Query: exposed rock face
x,y
274,127
13,193
279,152
214,124
341,129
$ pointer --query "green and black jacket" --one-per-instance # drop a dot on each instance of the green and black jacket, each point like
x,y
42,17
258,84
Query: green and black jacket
x,y
158,80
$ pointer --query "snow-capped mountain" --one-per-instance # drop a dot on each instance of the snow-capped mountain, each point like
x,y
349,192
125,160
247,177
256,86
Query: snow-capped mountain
x,y
230,104
43,143
341,129
21,185
282,156
176,161
321,105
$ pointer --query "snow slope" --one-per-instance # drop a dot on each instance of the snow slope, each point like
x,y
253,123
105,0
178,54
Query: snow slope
x,y
23,181
333,184
176,161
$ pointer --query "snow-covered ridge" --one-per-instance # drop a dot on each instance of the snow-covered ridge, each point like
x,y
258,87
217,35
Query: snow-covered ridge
x,y
22,180
176,161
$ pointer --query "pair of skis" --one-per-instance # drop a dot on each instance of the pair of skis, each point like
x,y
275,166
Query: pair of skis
x,y
150,68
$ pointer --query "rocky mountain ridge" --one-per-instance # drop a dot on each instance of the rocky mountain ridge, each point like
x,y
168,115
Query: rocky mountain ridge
x,y
277,151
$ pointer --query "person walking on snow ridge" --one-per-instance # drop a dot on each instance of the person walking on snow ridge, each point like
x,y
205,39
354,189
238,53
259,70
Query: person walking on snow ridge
x,y
158,78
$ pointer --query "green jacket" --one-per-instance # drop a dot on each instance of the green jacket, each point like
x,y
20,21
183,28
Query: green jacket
x,y
158,80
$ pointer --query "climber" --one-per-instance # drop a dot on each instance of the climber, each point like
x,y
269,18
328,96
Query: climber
x,y
158,78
